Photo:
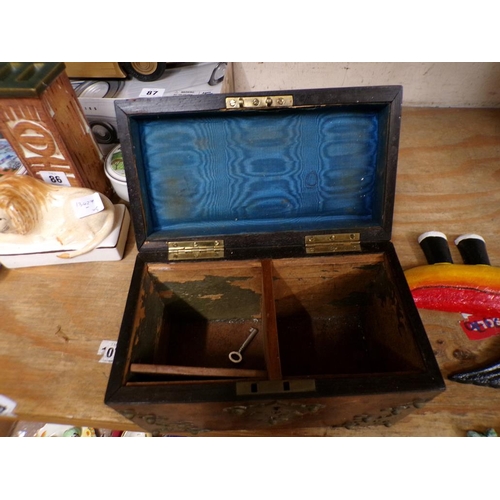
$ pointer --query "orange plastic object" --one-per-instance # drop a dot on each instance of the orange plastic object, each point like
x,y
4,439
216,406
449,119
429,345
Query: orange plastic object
x,y
456,288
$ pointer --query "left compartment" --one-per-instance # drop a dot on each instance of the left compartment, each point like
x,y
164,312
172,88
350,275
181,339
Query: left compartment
x,y
190,316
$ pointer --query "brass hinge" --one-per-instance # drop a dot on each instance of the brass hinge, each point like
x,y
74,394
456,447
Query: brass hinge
x,y
333,243
195,250
271,101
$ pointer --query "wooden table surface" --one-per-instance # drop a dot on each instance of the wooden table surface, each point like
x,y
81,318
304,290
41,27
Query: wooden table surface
x,y
53,318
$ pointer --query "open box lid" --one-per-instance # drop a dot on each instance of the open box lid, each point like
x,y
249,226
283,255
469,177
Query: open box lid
x,y
261,170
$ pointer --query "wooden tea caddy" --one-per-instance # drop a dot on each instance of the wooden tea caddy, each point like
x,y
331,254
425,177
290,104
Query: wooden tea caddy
x,y
269,211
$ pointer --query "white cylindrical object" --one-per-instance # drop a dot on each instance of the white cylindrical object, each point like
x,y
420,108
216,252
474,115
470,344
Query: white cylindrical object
x,y
115,172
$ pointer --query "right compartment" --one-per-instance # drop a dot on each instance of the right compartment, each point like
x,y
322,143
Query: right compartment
x,y
340,315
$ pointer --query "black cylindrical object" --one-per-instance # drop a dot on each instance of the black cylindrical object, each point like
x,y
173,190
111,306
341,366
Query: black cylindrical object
x,y
472,248
435,247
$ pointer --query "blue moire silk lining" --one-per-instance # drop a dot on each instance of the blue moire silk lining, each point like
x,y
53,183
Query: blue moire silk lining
x,y
262,172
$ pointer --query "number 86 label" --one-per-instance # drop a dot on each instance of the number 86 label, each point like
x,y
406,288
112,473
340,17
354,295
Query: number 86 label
x,y
57,178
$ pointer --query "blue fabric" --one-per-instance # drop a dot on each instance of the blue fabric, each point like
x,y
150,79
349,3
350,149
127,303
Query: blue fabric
x,y
239,173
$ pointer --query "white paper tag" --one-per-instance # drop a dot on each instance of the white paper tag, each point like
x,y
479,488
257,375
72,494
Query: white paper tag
x,y
7,406
151,92
87,205
107,351
57,178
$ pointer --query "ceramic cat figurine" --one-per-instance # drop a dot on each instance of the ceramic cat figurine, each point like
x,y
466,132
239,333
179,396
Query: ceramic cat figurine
x,y
32,212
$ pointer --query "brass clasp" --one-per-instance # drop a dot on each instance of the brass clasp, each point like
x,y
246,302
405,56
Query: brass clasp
x,y
259,102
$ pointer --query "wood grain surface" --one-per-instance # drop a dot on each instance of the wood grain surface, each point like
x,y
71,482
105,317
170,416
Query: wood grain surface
x,y
53,318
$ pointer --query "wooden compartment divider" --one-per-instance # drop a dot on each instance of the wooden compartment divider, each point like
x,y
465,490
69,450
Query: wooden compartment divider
x,y
269,323
197,371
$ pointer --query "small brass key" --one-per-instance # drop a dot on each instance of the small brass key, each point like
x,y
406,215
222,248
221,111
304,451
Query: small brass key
x,y
235,356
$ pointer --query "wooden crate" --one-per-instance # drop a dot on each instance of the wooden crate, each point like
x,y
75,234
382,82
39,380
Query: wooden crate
x,y
42,120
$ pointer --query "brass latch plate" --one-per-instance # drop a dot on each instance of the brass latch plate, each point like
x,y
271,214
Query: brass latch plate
x,y
275,387
256,102
196,250
333,243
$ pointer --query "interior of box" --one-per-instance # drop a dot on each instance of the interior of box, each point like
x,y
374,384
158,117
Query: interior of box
x,y
335,316
213,173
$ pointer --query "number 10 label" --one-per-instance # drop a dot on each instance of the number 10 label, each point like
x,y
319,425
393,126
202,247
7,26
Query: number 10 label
x,y
107,351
